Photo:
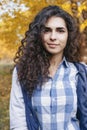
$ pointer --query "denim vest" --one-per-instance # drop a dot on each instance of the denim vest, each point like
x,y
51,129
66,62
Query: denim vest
x,y
31,118
82,95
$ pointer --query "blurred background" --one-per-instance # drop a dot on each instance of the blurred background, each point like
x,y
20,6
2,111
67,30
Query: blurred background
x,y
15,16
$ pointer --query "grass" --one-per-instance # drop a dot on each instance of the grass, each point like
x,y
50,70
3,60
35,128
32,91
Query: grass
x,y
5,87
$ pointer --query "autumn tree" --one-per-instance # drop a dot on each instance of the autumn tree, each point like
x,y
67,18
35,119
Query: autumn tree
x,y
16,15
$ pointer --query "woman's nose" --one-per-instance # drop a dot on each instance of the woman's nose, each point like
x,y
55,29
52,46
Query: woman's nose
x,y
53,36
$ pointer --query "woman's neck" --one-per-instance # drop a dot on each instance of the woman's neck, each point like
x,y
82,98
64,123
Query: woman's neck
x,y
54,63
55,60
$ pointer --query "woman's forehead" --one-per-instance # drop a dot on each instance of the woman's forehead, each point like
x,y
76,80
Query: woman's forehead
x,y
55,22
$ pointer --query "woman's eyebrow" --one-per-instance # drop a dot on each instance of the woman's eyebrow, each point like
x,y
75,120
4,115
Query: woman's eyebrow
x,y
60,28
47,27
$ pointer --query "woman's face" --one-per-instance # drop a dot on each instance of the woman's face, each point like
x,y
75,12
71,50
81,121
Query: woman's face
x,y
55,35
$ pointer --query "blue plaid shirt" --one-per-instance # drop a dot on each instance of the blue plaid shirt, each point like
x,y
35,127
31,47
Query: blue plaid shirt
x,y
56,103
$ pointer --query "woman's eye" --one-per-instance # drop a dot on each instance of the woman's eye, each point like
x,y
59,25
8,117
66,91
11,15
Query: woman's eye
x,y
61,31
46,30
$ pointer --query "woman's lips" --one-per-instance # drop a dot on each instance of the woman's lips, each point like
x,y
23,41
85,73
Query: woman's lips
x,y
52,45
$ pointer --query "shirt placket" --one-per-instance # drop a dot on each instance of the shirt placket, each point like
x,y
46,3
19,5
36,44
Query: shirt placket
x,y
53,107
53,95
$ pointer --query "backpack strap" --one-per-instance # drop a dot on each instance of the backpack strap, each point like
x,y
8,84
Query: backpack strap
x,y
31,117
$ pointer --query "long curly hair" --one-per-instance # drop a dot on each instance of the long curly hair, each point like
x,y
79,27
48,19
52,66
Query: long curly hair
x,y
32,60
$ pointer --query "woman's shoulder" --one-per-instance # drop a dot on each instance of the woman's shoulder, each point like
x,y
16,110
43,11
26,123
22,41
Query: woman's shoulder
x,y
84,64
81,65
14,73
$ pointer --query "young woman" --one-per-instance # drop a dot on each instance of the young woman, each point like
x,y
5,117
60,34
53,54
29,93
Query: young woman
x,y
49,84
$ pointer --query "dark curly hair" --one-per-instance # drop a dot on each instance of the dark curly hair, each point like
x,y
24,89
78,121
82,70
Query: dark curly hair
x,y
32,60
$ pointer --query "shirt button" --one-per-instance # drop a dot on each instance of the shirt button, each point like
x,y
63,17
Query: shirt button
x,y
30,114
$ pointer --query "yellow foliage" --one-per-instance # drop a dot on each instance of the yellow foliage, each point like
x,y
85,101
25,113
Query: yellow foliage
x,y
81,7
83,25
66,6
12,29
